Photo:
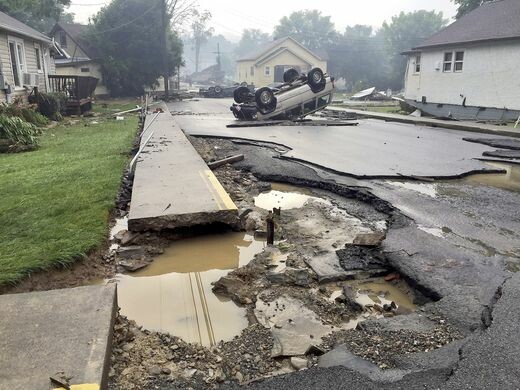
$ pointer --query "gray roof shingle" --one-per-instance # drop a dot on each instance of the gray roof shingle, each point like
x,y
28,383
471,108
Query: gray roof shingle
x,y
496,20
12,25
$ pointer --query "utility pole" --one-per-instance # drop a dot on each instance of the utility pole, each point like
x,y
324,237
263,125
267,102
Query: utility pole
x,y
164,46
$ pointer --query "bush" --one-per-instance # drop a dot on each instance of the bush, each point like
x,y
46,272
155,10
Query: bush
x,y
52,105
27,113
17,130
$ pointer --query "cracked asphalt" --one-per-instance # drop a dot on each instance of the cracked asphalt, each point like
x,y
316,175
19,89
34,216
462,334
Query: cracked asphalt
x,y
455,242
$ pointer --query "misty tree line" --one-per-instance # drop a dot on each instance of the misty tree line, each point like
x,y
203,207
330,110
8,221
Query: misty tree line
x,y
127,37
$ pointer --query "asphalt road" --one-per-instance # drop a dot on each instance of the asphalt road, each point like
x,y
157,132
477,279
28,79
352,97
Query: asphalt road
x,y
373,149
455,242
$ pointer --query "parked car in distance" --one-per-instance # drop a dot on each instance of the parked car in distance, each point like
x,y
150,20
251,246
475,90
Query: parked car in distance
x,y
299,95
218,91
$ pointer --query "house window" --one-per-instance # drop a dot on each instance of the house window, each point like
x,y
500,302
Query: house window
x,y
63,39
267,71
17,54
448,58
85,70
252,71
417,66
38,54
459,61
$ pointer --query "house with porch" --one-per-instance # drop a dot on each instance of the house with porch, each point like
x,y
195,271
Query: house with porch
x,y
77,57
25,60
268,63
469,70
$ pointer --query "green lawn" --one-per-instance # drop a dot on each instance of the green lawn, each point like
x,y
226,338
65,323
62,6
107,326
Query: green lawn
x,y
55,201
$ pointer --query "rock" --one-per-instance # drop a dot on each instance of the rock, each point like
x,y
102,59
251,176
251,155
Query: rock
x,y
166,371
291,276
239,376
130,252
128,347
134,264
369,239
128,237
231,286
174,347
188,373
253,221
349,295
154,370
392,276
298,363
359,258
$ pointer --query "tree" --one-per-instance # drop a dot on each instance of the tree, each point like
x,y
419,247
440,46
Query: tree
x,y
200,33
404,32
250,40
130,43
39,14
359,57
465,6
308,27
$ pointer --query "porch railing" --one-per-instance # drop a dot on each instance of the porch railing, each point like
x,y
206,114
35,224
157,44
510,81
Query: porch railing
x,y
76,88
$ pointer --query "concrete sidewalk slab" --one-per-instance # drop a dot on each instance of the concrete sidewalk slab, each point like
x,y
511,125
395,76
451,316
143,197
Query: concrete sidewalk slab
x,y
45,333
173,186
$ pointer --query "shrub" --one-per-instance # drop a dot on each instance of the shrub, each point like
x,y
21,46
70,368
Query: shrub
x,y
17,130
25,112
52,105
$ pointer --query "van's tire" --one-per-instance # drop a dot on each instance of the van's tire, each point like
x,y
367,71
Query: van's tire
x,y
265,99
290,75
218,90
243,84
316,80
241,94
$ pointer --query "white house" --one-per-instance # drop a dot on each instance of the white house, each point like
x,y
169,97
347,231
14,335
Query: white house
x,y
470,69
268,63
25,60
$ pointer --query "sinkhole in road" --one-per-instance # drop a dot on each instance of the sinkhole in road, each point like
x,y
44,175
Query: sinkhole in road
x,y
173,294
372,294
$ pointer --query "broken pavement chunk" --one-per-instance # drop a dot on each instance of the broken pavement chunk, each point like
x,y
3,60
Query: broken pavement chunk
x,y
291,276
297,327
369,239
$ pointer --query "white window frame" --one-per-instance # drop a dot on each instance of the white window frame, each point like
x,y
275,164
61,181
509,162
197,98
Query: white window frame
x,y
267,71
455,61
445,62
417,64
38,52
21,65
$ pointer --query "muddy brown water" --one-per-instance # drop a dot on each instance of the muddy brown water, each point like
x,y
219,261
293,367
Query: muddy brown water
x,y
509,180
173,294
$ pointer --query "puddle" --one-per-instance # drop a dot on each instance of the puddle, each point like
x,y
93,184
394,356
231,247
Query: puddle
x,y
173,294
285,196
422,188
377,292
509,180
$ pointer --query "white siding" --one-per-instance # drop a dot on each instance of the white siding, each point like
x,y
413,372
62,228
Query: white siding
x,y
490,77
31,66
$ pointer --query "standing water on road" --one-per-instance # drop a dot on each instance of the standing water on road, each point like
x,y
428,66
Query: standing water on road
x,y
285,196
173,294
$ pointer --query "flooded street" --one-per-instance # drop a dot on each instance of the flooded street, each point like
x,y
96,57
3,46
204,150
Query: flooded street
x,y
173,294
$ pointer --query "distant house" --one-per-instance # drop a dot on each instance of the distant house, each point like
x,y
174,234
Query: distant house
x,y
268,63
25,59
77,56
470,69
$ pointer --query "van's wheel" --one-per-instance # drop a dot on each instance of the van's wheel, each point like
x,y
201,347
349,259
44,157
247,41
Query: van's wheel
x,y
316,80
265,99
218,90
241,94
243,84
290,75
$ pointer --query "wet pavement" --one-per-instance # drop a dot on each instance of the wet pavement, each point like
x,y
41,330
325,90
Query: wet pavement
x,y
371,149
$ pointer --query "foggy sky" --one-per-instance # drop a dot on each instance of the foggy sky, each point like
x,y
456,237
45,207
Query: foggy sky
x,y
230,17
